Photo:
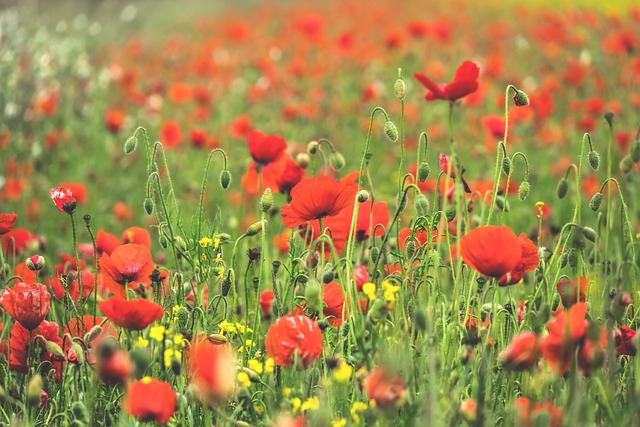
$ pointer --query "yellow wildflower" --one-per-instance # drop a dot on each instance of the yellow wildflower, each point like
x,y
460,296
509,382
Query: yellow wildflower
x,y
310,404
356,409
256,366
141,343
295,404
178,340
157,333
286,391
369,290
243,379
206,241
269,365
339,423
342,373
228,327
145,380
216,243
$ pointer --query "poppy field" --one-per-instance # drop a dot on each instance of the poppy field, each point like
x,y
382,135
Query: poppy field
x,y
328,213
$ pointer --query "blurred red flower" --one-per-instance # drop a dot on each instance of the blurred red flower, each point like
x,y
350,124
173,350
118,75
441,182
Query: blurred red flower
x,y
113,366
106,242
385,388
19,343
63,199
529,411
212,369
333,298
136,314
7,221
572,291
28,303
266,298
17,240
137,235
464,82
129,264
625,341
113,120
523,352
292,335
315,198
566,331
170,134
265,149
150,400
70,282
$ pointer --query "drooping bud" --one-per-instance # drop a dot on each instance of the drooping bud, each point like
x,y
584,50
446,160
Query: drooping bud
x,y
93,334
502,204
563,187
374,254
420,318
164,242
225,179
182,315
423,171
34,390
521,99
362,196
130,145
450,214
312,147
79,352
254,229
596,201
589,233
35,262
523,190
328,276
626,164
148,205
635,151
400,89
336,160
572,258
180,243
266,202
506,166
303,160
421,205
54,349
391,131
227,282
608,116
410,248
594,160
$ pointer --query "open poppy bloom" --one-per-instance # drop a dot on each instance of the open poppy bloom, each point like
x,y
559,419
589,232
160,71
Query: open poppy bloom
x,y
137,235
292,335
134,314
529,411
128,265
212,369
566,332
573,291
7,220
263,148
266,298
106,242
464,82
63,199
625,341
150,400
280,175
333,298
28,303
523,352
385,388
113,366
315,198
19,343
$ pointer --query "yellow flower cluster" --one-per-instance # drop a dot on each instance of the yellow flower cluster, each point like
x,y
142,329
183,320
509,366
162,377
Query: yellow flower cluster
x,y
389,292
300,407
174,343
342,373
357,408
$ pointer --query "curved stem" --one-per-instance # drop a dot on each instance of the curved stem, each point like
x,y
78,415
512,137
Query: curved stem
x,y
204,184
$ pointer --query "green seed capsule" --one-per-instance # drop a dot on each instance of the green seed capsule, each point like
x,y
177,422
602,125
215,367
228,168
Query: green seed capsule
x,y
423,171
225,179
130,145
148,205
596,201
523,190
563,187
391,131
594,160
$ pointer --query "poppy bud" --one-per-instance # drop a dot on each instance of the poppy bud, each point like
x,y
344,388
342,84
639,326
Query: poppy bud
x,y
327,277
420,319
312,147
266,202
608,116
35,262
336,160
218,339
589,233
423,171
226,283
563,187
450,214
303,160
391,131
421,205
596,201
468,410
374,254
523,190
54,349
410,248
130,145
594,160
572,257
182,315
520,98
541,317
253,375
79,352
180,243
506,166
225,179
164,242
79,411
93,334
148,205
626,164
502,204
635,151
400,89
254,229
363,196
34,390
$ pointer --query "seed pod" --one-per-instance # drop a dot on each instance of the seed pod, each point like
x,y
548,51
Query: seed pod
x,y
410,248
254,229
626,164
400,89
520,98
362,196
225,179
523,190
266,202
506,166
596,201
563,187
450,214
164,242
148,205
589,233
312,147
423,171
391,131
594,160
130,145
572,258
336,160
421,205
635,151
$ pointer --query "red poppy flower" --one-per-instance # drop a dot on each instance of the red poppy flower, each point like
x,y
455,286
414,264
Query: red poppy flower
x,y
566,331
63,199
371,215
385,388
280,175
106,242
19,343
263,148
291,335
170,134
528,261
333,298
134,314
266,298
137,235
113,366
68,264
315,198
529,411
127,265
625,341
18,240
491,250
28,303
573,291
241,126
70,282
113,120
122,212
362,276
522,353
464,82
212,369
78,190
151,400
7,220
